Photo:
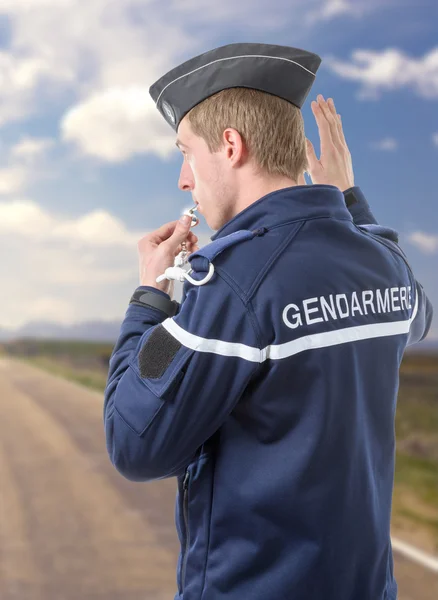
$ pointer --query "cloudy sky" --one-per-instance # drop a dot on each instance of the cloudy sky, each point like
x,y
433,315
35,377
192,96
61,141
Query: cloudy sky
x,y
88,166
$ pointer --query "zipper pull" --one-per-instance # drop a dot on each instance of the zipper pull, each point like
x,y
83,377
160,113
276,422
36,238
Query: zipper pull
x,y
260,231
186,480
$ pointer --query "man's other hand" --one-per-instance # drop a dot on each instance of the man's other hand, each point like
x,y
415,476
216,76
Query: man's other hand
x,y
335,166
158,249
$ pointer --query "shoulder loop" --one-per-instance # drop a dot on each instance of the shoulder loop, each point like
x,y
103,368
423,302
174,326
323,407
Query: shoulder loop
x,y
386,232
210,251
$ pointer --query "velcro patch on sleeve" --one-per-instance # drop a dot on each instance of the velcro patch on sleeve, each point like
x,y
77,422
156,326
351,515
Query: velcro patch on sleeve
x,y
157,354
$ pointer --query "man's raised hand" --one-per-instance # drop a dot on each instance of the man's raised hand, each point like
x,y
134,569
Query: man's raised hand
x,y
334,166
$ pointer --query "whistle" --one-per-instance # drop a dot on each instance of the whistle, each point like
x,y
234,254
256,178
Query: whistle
x,y
176,272
194,218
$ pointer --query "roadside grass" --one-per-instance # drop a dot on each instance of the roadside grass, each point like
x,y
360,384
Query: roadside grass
x,y
94,379
415,500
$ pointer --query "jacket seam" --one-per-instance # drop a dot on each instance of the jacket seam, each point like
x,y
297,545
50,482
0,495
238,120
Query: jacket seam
x,y
153,417
316,218
273,258
239,292
204,583
231,282
398,251
244,296
321,186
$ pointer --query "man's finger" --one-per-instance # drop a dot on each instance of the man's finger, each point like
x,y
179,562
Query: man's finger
x,y
192,237
337,122
331,119
341,131
323,128
311,156
163,233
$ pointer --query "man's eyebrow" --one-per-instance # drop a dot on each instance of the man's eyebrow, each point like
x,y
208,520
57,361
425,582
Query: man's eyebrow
x,y
179,143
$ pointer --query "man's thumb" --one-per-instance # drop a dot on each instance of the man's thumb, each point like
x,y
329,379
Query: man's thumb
x,y
182,228
311,156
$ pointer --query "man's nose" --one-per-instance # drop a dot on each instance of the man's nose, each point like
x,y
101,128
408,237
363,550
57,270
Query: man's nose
x,y
186,182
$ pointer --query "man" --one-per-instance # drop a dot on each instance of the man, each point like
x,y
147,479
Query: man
x,y
270,392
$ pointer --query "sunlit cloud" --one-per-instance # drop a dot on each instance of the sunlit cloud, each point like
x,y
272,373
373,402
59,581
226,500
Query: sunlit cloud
x,y
390,70
426,242
386,145
12,180
29,149
334,8
97,229
77,268
117,124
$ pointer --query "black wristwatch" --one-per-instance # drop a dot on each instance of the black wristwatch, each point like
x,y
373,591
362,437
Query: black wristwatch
x,y
150,299
350,197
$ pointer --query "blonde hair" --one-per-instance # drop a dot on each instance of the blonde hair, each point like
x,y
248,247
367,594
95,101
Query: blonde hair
x,y
272,128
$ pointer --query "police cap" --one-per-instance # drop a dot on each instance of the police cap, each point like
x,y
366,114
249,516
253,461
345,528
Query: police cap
x,y
285,72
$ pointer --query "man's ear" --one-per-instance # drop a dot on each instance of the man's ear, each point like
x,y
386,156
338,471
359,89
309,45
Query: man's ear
x,y
234,145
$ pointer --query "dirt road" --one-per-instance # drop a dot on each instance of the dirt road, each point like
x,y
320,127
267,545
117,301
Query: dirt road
x,y
70,526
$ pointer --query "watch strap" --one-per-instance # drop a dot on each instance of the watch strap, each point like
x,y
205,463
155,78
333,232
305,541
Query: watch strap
x,y
150,299
350,197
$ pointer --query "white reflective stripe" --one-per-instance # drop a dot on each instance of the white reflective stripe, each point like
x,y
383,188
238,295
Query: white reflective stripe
x,y
414,312
231,58
279,351
334,338
209,345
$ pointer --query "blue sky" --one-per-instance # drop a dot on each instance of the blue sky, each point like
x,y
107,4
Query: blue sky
x,y
88,166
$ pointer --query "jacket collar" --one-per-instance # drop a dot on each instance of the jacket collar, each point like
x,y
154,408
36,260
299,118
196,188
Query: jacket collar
x,y
296,203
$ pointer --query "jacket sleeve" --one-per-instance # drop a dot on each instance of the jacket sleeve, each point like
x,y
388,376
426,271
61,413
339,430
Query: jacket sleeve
x,y
423,310
422,317
358,206
172,382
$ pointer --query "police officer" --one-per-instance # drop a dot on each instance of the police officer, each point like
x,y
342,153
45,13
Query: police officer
x,y
270,391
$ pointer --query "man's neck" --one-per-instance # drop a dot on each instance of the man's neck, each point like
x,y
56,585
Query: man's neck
x,y
259,189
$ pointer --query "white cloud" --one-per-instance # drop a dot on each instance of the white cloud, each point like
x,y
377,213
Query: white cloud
x,y
12,180
329,10
21,77
29,149
65,51
117,124
427,243
72,55
386,145
390,70
76,268
211,14
334,8
435,139
24,163
96,229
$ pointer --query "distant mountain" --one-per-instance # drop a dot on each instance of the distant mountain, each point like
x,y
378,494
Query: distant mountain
x,y
108,331
428,345
102,331
5,334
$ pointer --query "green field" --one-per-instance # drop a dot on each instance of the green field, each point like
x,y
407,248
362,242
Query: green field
x,y
415,505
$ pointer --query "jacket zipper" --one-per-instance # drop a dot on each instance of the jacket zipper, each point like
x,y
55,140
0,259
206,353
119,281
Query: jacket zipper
x,y
186,523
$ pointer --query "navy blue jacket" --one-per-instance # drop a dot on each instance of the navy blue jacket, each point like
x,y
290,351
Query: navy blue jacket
x,y
271,395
